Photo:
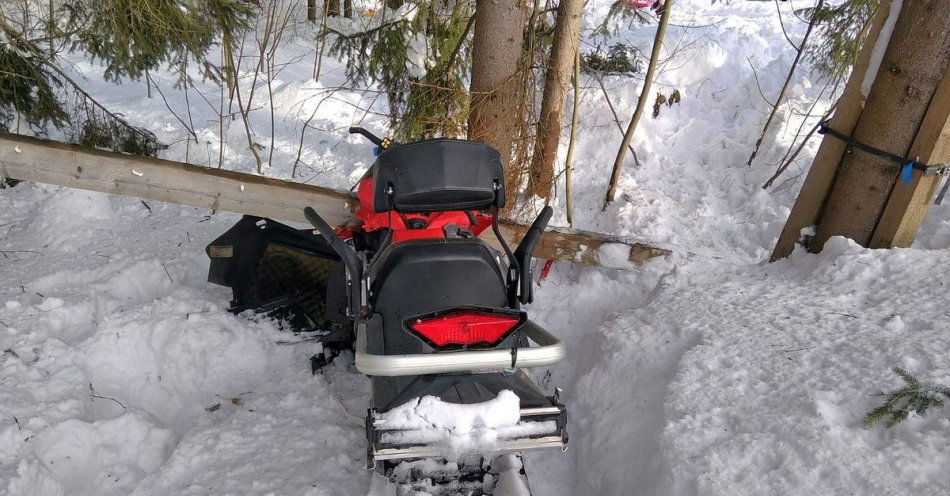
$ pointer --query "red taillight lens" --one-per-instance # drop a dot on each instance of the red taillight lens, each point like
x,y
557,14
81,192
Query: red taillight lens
x,y
465,327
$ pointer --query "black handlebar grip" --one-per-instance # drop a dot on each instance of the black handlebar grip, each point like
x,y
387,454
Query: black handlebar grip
x,y
370,136
526,250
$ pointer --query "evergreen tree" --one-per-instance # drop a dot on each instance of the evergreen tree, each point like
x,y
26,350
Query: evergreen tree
x,y
418,53
130,37
839,33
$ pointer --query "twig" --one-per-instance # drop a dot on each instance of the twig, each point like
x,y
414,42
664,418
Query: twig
x,y
568,168
94,394
788,162
782,24
788,79
167,274
755,76
613,111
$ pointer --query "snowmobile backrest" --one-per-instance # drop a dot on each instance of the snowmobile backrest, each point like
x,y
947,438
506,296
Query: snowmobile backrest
x,y
427,275
438,175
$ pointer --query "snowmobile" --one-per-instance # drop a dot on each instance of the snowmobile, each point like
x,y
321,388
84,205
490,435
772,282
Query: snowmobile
x,y
427,307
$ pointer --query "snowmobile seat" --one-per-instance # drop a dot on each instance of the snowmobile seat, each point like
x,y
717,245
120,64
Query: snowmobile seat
x,y
438,175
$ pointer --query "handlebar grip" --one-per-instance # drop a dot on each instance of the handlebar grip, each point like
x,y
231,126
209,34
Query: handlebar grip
x,y
376,140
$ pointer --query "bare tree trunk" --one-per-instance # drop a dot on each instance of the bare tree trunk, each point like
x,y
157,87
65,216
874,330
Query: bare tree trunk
x,y
348,8
312,10
318,64
641,103
496,50
556,83
788,79
51,30
821,175
331,8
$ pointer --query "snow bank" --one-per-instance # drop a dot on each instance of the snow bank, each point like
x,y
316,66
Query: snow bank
x,y
754,380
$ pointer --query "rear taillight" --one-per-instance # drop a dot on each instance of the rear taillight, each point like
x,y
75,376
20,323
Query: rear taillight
x,y
465,327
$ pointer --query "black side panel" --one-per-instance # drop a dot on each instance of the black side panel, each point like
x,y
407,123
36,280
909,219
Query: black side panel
x,y
439,174
270,266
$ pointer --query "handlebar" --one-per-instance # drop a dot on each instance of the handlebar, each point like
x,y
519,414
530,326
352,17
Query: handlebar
x,y
351,261
376,140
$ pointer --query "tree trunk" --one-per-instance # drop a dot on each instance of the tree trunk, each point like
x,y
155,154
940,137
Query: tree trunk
x,y
331,7
556,82
820,179
496,51
910,72
312,10
641,102
348,8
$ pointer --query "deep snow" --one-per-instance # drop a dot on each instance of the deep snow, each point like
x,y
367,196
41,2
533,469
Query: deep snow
x,y
706,373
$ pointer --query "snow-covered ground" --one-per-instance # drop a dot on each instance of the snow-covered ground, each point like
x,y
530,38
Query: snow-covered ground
x,y
121,371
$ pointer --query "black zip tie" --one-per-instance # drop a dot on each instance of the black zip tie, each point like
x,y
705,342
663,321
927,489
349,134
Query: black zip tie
x,y
906,163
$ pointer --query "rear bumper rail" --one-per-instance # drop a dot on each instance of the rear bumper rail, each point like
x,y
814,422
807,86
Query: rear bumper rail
x,y
377,449
549,350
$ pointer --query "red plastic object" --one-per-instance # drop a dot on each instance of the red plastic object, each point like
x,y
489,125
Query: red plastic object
x,y
435,222
465,327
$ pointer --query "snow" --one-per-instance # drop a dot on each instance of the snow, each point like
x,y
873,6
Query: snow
x,y
709,372
459,429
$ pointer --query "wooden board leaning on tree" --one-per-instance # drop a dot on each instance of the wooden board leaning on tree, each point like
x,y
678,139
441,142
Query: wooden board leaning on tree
x,y
50,162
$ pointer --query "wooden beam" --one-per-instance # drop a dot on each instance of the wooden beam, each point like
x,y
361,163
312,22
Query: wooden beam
x,y
43,161
821,176
909,203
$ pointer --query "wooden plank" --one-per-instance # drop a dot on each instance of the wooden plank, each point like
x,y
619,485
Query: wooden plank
x,y
50,162
909,203
577,246
43,161
821,176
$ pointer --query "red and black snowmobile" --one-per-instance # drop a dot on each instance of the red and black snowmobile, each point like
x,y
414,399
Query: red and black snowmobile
x,y
427,307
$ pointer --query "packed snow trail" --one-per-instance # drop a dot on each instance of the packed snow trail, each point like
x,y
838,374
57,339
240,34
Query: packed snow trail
x,y
754,379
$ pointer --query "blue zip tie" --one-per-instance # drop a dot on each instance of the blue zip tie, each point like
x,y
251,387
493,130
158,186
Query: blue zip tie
x,y
907,173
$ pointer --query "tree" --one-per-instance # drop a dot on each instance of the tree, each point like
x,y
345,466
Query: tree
x,y
911,70
496,52
557,80
423,101
641,103
129,36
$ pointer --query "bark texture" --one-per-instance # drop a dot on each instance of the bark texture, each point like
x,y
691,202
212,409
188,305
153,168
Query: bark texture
x,y
820,179
557,81
496,52
912,68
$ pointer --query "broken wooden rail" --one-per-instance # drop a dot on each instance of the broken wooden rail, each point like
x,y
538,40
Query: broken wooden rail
x,y
50,162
